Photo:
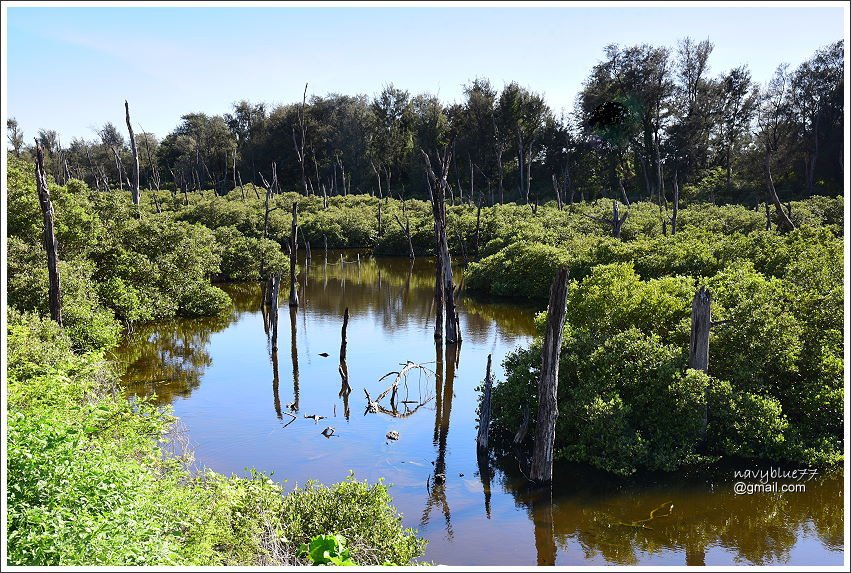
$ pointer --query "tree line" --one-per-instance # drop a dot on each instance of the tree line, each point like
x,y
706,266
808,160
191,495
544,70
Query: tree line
x,y
647,119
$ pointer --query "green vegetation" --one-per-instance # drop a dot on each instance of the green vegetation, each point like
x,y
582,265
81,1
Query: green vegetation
x,y
91,480
774,389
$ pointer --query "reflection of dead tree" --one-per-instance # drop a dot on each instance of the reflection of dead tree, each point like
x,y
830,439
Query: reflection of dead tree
x,y
436,484
294,355
407,367
345,389
275,384
394,412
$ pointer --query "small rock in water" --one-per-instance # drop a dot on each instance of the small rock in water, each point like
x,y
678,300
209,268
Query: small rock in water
x,y
328,432
460,475
393,435
324,354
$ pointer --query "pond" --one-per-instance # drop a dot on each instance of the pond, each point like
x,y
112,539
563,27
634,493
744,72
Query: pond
x,y
244,406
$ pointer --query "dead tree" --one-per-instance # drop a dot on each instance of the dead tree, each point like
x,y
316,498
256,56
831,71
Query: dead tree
x,y
299,148
135,188
676,205
439,185
406,229
345,389
485,409
783,221
616,222
542,459
293,253
268,209
380,228
478,224
701,322
51,246
557,192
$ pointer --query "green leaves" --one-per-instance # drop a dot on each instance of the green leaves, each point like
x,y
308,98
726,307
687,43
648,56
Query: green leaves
x,y
327,550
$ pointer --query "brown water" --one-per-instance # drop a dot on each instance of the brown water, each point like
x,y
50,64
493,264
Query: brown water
x,y
233,395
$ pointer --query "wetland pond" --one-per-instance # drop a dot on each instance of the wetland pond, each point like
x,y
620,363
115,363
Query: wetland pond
x,y
236,401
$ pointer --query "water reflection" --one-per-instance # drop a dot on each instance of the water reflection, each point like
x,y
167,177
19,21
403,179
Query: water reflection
x,y
599,513
216,372
166,361
444,393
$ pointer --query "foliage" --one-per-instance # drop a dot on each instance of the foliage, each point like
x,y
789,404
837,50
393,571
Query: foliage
x,y
91,480
357,510
327,550
627,400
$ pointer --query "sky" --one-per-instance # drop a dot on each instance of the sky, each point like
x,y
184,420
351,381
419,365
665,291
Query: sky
x,y
70,69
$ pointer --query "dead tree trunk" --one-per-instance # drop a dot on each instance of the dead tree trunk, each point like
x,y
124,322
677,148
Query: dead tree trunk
x,y
676,205
343,368
293,253
406,230
51,247
557,192
478,225
135,188
439,186
542,459
378,217
701,321
299,149
485,409
616,222
783,221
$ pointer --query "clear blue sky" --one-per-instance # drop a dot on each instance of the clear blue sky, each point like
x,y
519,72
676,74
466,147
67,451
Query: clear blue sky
x,y
70,69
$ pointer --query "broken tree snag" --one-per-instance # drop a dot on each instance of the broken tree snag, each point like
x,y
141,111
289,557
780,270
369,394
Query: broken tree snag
x,y
767,217
343,335
51,246
293,253
439,186
135,187
698,354
616,222
542,459
478,224
701,320
485,409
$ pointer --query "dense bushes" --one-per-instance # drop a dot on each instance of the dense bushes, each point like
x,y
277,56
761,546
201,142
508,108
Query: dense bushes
x,y
88,482
627,400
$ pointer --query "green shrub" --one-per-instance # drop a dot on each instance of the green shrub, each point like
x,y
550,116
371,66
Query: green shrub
x,y
362,513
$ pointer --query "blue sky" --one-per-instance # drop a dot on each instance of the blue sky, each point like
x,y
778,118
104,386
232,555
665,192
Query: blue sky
x,y
70,69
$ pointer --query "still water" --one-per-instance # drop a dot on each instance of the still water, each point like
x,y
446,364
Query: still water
x,y
244,406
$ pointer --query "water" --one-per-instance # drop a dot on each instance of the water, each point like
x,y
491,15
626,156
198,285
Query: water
x,y
244,407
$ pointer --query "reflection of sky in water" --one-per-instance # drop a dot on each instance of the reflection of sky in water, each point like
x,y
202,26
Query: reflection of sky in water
x,y
219,377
